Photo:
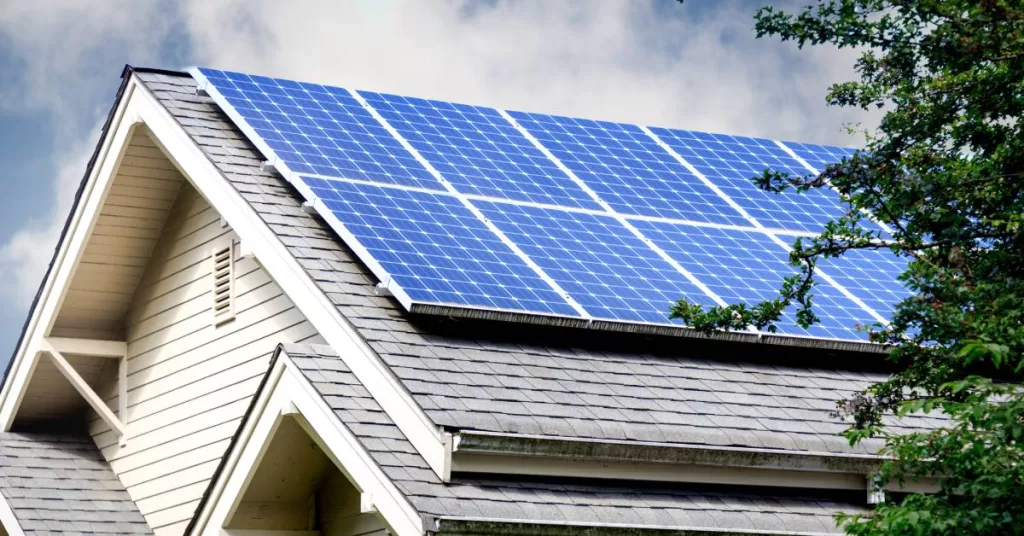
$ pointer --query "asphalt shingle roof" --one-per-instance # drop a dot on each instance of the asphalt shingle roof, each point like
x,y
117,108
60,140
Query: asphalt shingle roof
x,y
566,385
546,502
58,484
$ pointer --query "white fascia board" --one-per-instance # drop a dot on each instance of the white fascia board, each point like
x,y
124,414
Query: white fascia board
x,y
288,393
286,271
90,347
7,519
43,315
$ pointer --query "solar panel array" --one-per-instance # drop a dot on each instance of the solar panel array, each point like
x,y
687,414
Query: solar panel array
x,y
461,207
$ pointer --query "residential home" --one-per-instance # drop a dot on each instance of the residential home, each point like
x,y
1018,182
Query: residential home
x,y
252,326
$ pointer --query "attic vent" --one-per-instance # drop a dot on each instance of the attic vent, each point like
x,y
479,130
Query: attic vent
x,y
223,283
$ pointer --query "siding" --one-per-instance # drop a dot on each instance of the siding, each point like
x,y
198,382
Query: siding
x,y
190,382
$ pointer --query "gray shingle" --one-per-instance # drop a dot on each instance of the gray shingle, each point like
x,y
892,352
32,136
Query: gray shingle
x,y
59,484
546,502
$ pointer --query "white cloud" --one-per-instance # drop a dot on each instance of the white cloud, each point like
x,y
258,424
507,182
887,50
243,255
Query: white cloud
x,y
628,61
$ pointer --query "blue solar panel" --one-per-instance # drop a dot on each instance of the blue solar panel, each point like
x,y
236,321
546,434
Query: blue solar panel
x,y
628,169
597,261
871,275
319,129
436,250
820,156
747,267
731,162
479,151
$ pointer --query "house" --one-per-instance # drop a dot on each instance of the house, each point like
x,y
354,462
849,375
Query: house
x,y
209,354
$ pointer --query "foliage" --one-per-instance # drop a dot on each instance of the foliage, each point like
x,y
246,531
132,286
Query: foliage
x,y
944,171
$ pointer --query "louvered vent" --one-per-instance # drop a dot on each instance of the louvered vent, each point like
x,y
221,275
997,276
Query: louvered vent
x,y
223,284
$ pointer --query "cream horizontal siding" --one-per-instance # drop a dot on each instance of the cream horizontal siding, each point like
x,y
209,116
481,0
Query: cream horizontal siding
x,y
189,382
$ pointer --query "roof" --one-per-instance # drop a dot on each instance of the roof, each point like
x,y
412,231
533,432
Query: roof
x,y
537,379
58,484
530,502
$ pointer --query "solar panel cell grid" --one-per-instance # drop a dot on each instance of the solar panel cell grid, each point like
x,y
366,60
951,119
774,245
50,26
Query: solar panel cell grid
x,y
731,162
748,267
320,130
436,250
479,151
871,275
819,156
628,169
599,263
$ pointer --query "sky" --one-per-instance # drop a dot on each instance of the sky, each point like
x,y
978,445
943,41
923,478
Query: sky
x,y
696,66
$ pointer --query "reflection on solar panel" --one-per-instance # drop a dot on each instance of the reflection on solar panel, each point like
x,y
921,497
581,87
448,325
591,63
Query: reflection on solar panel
x,y
819,156
435,249
462,208
745,266
604,267
319,129
871,275
478,151
628,169
731,161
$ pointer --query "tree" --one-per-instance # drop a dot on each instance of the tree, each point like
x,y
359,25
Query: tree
x,y
945,171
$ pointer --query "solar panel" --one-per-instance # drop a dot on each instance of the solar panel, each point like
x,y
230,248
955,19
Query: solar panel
x,y
435,249
468,208
319,130
820,156
871,275
732,161
748,267
478,151
600,263
628,169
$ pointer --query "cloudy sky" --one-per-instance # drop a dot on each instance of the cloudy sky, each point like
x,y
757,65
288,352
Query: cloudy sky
x,y
694,66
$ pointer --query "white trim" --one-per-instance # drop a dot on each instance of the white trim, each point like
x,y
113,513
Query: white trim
x,y
8,520
469,462
83,388
628,526
90,347
471,207
287,391
122,396
43,315
294,281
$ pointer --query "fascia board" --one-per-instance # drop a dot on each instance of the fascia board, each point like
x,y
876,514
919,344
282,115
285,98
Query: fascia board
x,y
124,121
525,527
338,332
497,444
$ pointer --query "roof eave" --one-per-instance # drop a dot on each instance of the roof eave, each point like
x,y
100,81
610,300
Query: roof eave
x,y
510,527
491,443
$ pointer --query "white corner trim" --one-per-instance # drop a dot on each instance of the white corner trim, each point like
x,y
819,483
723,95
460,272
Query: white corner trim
x,y
293,280
42,316
288,394
7,519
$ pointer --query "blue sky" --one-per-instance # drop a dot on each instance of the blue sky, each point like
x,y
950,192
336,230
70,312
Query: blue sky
x,y
694,66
